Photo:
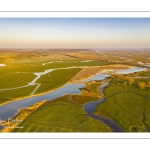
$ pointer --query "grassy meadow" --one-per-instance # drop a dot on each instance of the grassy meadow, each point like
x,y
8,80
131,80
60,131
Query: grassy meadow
x,y
93,87
83,99
127,104
145,74
60,115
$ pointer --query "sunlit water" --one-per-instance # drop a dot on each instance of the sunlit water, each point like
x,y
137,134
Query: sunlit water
x,y
1,65
91,107
131,70
98,76
10,109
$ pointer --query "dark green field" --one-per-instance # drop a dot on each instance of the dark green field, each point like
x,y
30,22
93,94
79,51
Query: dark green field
x,y
128,105
146,74
82,99
12,80
93,87
55,79
9,95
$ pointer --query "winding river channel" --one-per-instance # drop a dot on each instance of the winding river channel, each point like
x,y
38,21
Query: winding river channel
x,y
91,107
10,109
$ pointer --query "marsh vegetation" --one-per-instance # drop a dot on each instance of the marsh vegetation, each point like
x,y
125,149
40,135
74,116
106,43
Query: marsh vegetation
x,y
126,96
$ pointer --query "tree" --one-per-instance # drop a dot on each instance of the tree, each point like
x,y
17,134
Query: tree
x,y
131,81
142,85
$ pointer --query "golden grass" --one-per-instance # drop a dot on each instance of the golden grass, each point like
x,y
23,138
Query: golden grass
x,y
20,116
87,72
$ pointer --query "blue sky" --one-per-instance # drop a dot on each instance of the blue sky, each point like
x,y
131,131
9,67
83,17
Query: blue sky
x,y
74,32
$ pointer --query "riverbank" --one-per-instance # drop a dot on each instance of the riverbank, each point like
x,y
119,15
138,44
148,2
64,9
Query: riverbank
x,y
91,71
89,104
89,101
127,104
22,98
19,117
63,116
23,103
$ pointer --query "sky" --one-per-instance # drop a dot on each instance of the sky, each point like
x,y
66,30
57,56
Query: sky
x,y
72,33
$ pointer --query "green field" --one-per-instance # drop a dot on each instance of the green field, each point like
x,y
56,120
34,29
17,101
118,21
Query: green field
x,y
9,95
60,115
82,99
39,67
145,74
20,72
12,80
128,105
55,79
127,97
93,87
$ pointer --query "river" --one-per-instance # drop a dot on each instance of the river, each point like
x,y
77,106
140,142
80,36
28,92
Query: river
x,y
10,109
91,107
131,70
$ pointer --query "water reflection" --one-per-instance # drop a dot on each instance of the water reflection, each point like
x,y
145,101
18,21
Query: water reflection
x,y
98,76
9,110
131,70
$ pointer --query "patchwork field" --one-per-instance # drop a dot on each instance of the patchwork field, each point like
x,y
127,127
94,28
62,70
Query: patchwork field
x,y
127,97
131,57
20,68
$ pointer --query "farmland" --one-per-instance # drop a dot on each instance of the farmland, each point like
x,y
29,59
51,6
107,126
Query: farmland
x,y
15,79
38,73
9,95
55,79
117,56
21,66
